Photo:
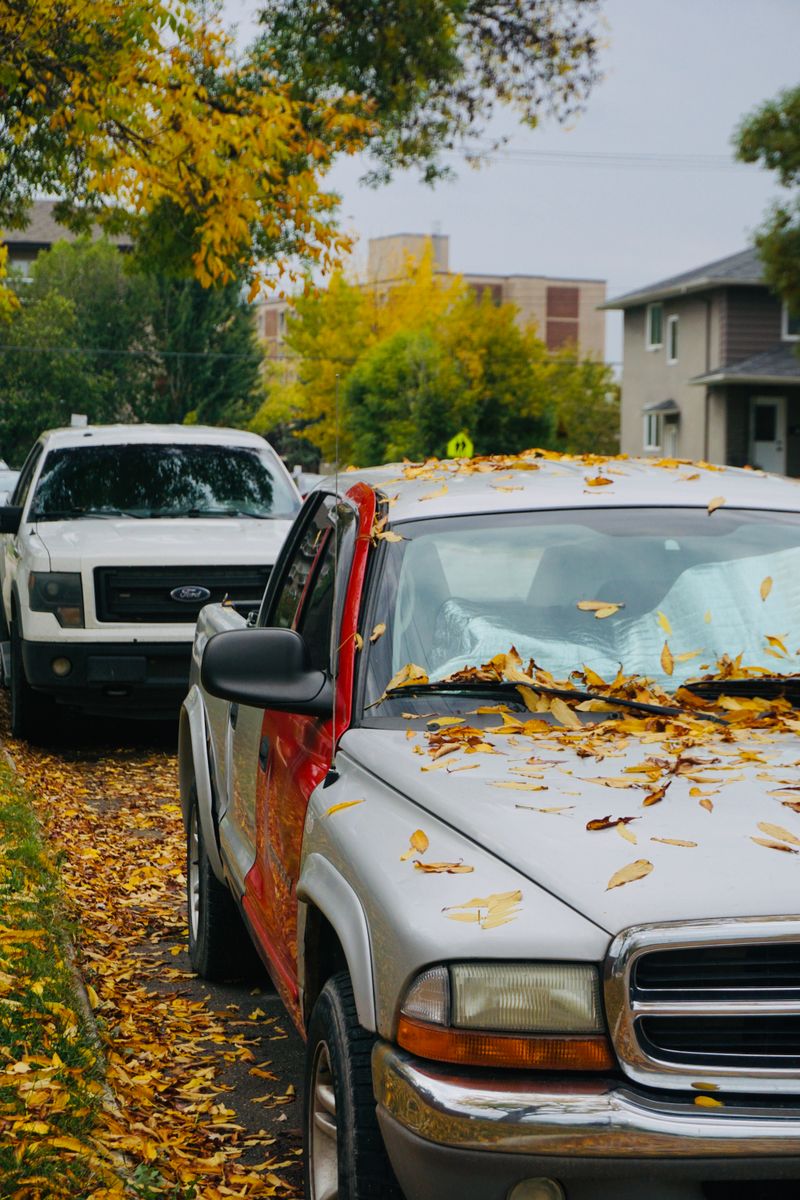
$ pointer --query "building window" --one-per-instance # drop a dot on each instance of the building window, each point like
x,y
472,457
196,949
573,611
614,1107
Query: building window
x,y
655,326
652,431
672,339
790,325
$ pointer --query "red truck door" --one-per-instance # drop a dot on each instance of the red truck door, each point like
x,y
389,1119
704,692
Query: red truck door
x,y
319,595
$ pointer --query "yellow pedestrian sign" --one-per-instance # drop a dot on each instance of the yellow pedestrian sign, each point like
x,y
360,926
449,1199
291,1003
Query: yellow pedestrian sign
x,y
460,446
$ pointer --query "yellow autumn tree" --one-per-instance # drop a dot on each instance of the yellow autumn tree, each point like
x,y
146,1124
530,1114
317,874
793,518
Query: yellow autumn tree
x,y
329,332
135,110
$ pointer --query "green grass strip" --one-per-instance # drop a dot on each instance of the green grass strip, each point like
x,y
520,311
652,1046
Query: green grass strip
x,y
50,1075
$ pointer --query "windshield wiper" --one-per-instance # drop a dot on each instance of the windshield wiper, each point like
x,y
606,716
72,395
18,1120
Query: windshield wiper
x,y
73,514
757,685
213,512
504,687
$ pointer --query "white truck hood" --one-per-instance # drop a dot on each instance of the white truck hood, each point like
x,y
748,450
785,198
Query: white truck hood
x,y
725,874
193,541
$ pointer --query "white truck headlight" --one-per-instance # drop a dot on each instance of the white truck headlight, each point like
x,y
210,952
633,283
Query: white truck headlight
x,y
513,1014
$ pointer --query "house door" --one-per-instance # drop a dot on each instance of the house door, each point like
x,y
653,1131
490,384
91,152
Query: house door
x,y
768,433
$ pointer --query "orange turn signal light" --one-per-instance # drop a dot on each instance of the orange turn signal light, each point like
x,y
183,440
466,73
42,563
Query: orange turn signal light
x,y
475,1049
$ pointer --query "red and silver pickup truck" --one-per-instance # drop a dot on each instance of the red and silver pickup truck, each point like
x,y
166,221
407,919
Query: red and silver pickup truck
x,y
501,780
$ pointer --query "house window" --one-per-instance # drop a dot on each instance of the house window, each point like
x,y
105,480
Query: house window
x,y
655,326
672,339
652,431
790,325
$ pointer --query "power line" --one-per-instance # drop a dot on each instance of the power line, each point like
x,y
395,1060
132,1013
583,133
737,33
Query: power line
x,y
602,159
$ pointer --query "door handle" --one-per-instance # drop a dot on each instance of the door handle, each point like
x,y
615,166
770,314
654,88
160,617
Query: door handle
x,y
233,714
263,753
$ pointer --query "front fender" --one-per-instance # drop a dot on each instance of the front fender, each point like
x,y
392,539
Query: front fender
x,y
322,885
193,769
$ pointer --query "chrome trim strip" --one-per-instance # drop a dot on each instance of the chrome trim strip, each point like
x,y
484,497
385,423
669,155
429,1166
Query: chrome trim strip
x,y
623,1010
581,1117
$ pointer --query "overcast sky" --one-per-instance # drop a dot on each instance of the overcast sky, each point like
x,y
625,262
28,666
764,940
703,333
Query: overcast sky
x,y
678,78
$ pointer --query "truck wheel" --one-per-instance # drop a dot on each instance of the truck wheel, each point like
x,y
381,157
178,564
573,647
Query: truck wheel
x,y
32,714
345,1158
219,946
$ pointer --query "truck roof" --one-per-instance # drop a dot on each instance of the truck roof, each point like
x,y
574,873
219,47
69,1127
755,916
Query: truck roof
x,y
543,480
78,435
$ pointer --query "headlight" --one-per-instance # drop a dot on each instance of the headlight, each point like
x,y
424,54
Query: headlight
x,y
57,592
546,1015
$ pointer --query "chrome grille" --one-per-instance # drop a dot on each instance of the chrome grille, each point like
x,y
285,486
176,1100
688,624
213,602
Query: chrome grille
x,y
708,1002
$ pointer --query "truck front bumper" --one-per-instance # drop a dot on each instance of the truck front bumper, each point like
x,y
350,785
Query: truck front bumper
x,y
137,679
451,1131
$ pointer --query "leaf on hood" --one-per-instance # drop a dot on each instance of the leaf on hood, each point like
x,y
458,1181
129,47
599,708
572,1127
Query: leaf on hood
x,y
794,805
339,807
663,621
609,822
598,481
377,632
564,714
630,873
442,491
766,587
707,616
707,804
443,868
556,808
418,842
773,845
716,503
672,842
657,795
519,786
627,834
488,911
667,661
778,832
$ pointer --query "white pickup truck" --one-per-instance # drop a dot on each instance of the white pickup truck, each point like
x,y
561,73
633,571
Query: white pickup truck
x,y
113,540
503,785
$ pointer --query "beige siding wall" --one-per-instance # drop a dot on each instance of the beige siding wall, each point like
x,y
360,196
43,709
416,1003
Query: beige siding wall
x,y
649,379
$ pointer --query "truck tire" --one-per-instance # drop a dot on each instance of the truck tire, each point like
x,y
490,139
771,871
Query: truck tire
x,y
32,714
219,945
344,1152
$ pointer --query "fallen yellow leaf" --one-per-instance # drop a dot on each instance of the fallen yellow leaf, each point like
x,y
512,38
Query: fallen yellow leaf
x,y
339,807
766,587
630,873
716,503
417,843
667,661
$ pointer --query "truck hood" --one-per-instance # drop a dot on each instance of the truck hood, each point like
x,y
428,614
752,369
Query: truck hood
x,y
171,541
724,874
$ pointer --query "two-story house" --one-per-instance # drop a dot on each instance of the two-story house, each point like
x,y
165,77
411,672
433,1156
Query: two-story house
x,y
710,369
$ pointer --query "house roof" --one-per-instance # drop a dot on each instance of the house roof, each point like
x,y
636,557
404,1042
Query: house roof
x,y
736,270
780,364
43,230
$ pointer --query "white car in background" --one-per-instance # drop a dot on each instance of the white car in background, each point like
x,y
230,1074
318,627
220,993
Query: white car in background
x,y
114,539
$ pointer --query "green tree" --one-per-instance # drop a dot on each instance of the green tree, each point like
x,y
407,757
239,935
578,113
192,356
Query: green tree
x,y
414,366
429,72
771,136
92,335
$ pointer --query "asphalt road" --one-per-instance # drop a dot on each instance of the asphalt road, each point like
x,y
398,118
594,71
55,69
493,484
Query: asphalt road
x,y
267,1103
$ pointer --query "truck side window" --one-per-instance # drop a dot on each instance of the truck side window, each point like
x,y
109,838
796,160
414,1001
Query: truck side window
x,y
25,476
287,601
317,613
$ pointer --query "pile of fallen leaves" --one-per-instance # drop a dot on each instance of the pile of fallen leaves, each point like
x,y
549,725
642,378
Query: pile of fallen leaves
x,y
50,1073
114,821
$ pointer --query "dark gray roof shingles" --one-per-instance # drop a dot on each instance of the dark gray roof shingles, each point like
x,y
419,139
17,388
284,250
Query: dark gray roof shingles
x,y
742,268
43,230
779,362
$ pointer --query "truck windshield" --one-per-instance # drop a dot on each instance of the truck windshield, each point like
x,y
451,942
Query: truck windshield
x,y
662,593
152,479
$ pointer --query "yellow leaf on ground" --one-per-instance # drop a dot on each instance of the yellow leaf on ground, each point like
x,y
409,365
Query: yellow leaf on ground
x,y
630,873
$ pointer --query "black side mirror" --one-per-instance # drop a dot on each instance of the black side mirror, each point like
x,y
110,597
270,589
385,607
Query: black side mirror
x,y
265,668
10,518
